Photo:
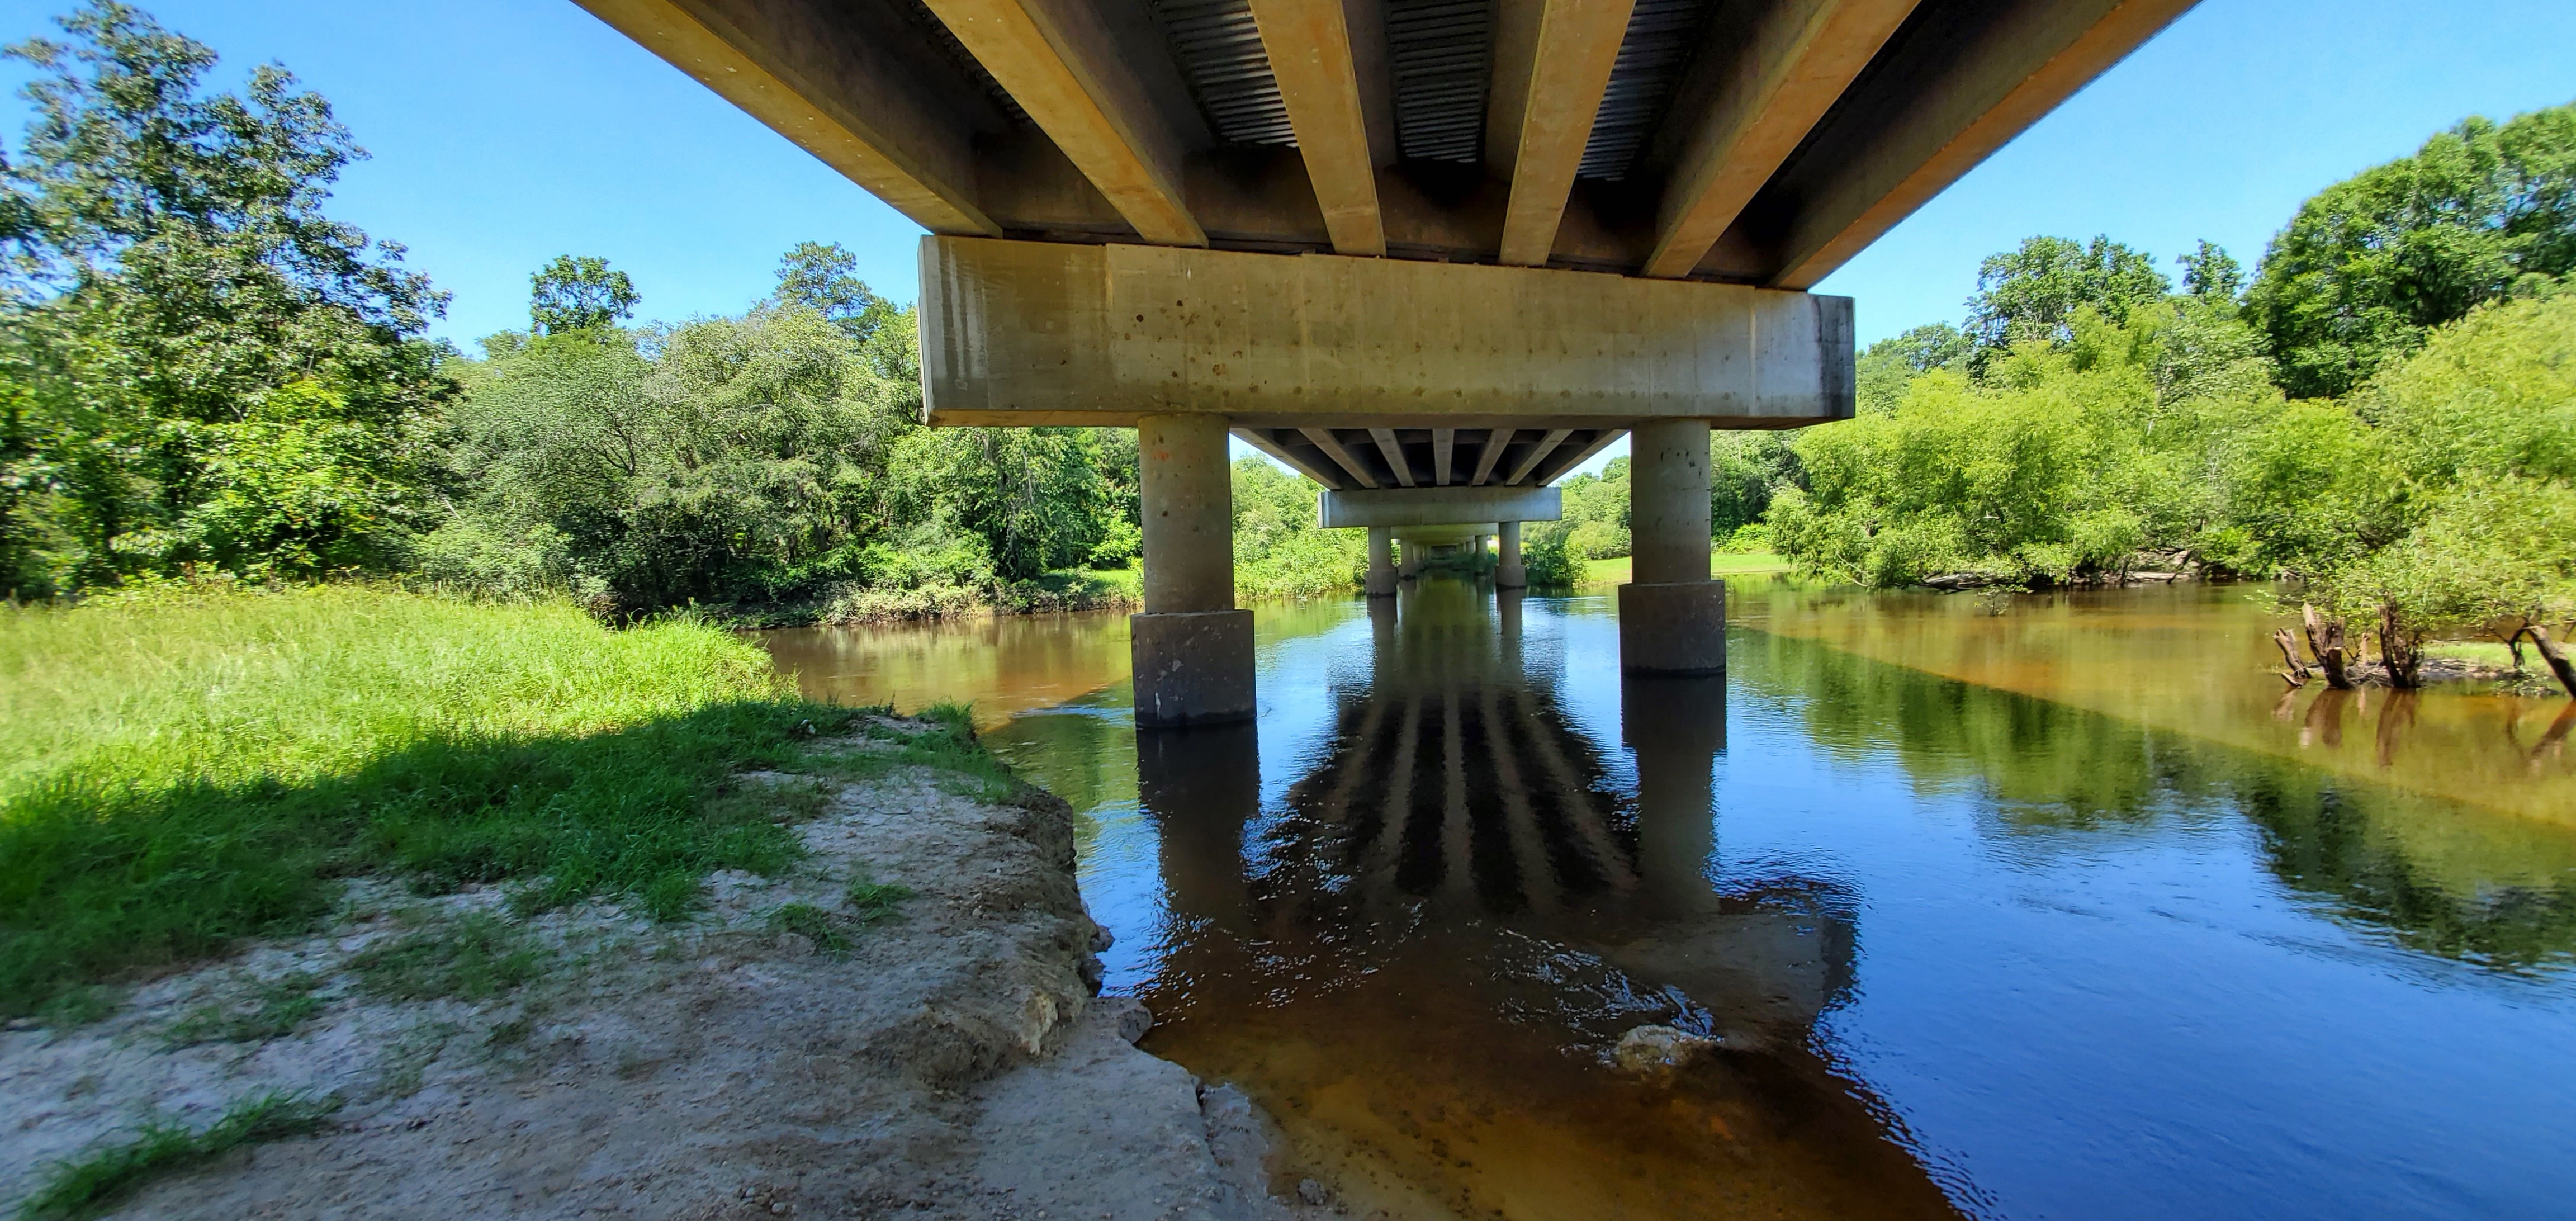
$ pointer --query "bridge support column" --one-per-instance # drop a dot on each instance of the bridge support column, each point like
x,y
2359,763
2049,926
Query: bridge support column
x,y
1508,571
1381,569
1672,617
1410,565
1192,650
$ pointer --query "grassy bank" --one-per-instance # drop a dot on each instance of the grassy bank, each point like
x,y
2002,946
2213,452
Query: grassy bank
x,y
1076,589
183,768
1724,564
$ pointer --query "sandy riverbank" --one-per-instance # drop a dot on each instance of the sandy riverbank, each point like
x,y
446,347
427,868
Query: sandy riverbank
x,y
949,1060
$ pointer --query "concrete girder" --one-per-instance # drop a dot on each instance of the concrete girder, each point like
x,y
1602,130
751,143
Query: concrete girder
x,y
1577,46
1538,453
836,91
1355,453
1793,61
1455,534
1024,333
1336,510
1495,441
1310,47
1061,63
1319,472
1084,121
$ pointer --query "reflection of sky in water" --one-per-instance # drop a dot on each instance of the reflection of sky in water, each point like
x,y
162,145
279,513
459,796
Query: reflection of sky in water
x,y
2178,999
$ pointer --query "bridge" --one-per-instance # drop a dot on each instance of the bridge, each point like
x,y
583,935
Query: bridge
x,y
1432,254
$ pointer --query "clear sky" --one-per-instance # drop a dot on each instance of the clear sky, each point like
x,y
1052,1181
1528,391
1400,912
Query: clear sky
x,y
505,132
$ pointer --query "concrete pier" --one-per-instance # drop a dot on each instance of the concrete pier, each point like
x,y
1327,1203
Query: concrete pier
x,y
1191,649
1672,617
1509,573
1381,563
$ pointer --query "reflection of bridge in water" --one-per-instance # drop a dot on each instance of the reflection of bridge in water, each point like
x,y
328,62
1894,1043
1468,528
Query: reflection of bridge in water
x,y
1455,789
1421,954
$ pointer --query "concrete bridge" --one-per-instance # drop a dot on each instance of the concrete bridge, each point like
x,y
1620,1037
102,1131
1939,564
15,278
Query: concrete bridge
x,y
1430,253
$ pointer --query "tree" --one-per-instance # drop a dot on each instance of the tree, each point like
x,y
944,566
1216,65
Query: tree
x,y
2211,274
198,365
1887,365
2033,292
2371,263
819,277
2493,394
579,294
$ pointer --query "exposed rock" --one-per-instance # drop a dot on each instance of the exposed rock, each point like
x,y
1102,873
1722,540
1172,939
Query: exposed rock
x,y
1650,1050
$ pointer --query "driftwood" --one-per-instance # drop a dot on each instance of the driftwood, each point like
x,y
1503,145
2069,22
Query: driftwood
x,y
2297,673
2326,644
2556,656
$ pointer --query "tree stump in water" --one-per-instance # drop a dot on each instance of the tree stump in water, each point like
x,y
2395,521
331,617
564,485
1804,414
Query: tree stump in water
x,y
2326,644
2297,673
2401,650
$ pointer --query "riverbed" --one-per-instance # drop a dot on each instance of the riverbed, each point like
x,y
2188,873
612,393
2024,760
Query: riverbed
x,y
2051,905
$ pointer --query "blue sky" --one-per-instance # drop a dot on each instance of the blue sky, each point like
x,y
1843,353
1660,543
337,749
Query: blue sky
x,y
506,132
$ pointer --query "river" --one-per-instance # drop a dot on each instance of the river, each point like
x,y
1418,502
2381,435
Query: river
x,y
2044,906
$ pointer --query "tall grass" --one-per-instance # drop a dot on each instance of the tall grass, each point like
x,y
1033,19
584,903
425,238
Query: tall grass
x,y
184,767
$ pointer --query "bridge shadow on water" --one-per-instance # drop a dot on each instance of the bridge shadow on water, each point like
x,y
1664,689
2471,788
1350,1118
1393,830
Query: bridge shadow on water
x,y
1423,955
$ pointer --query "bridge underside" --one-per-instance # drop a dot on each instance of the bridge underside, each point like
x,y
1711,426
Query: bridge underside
x,y
1404,246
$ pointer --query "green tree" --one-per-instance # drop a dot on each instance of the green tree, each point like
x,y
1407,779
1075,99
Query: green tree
x,y
1279,551
821,277
2493,394
2211,274
2372,262
579,294
1886,366
198,366
2033,292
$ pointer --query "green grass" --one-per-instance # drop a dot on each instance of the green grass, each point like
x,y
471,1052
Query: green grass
x,y
2485,652
183,768
159,1146
948,746
1723,564
277,1009
871,902
812,923
472,959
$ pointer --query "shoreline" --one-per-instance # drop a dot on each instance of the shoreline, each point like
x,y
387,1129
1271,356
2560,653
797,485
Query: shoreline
x,y
905,1020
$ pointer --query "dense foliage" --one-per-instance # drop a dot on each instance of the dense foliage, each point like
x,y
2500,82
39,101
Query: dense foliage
x,y
757,459
197,367
2371,263
2090,420
202,372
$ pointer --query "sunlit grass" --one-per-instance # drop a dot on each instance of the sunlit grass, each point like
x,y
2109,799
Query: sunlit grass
x,y
159,1146
1724,564
183,768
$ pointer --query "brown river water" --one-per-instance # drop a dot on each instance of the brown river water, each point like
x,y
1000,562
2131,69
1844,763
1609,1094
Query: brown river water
x,y
2047,906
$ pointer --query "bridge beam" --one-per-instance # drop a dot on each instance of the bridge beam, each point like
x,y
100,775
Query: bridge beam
x,y
1788,68
1343,509
1060,62
1022,333
1578,43
1310,45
